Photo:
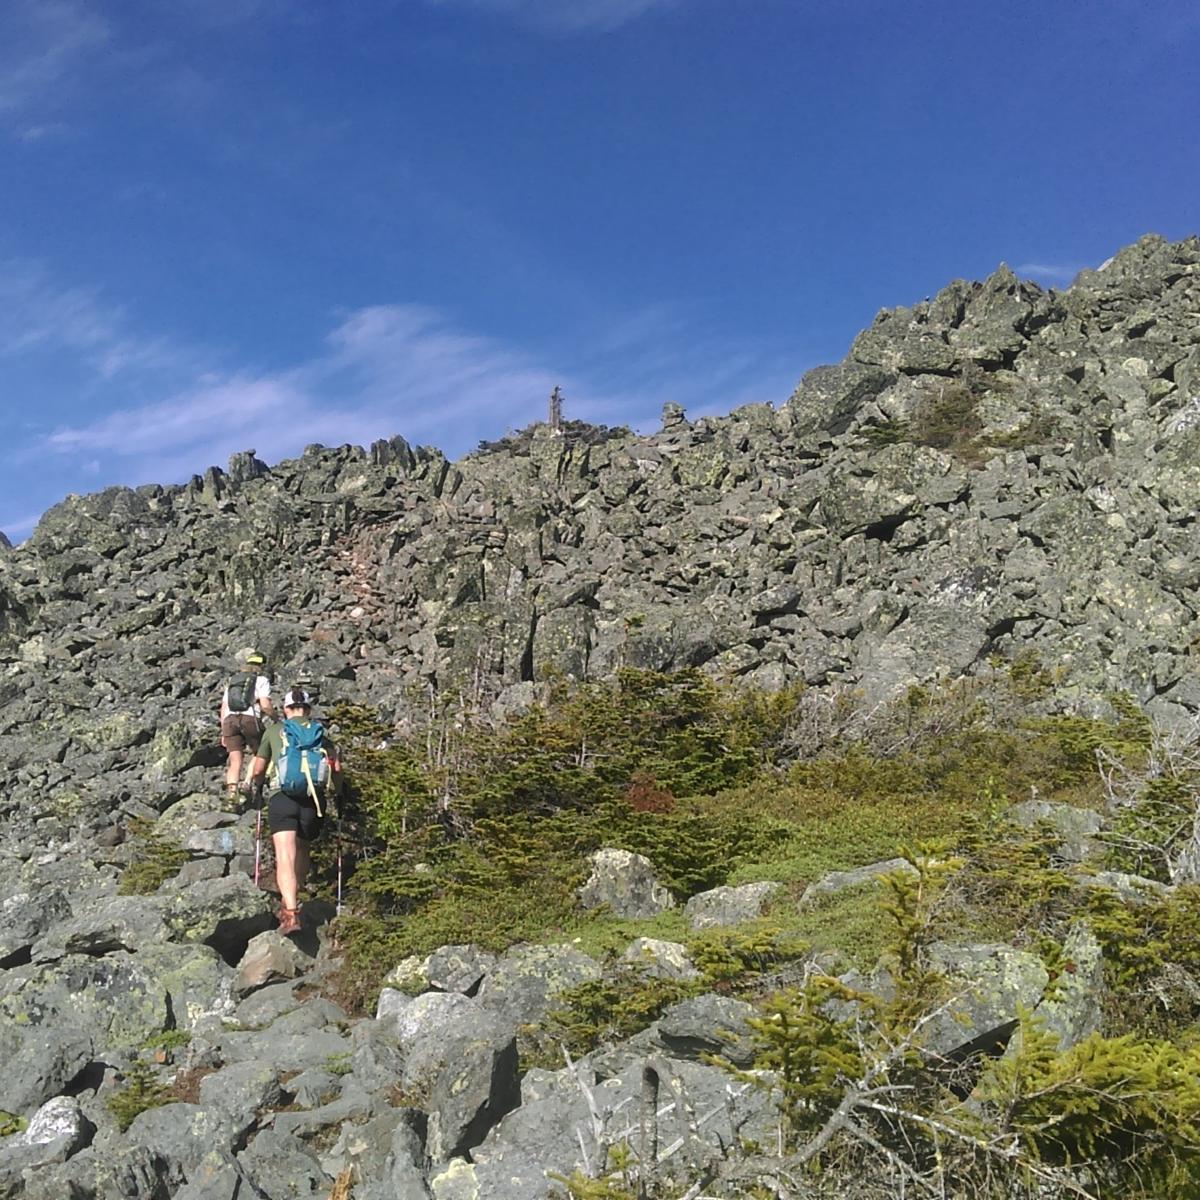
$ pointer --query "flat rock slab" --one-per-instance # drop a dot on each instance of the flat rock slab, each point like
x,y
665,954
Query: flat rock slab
x,y
729,905
840,881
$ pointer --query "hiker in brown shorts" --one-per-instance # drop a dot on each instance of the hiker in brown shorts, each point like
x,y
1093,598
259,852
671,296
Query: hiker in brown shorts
x,y
245,701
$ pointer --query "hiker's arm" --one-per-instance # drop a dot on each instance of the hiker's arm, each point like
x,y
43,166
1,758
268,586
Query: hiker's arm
x,y
337,780
262,696
258,776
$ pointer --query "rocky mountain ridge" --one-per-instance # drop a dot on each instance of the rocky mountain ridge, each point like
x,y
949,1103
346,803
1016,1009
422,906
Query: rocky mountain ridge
x,y
1000,470
1000,474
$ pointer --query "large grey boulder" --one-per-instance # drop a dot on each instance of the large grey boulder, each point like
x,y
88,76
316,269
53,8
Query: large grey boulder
x,y
433,1014
625,884
656,959
522,986
26,912
458,968
114,923
708,1024
223,913
839,881
237,1095
197,980
280,1164
729,905
990,984
39,1063
385,1154
572,1128
463,1073
178,1137
1077,827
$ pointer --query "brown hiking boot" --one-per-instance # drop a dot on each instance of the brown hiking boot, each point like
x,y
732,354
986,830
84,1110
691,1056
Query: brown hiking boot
x,y
289,920
231,798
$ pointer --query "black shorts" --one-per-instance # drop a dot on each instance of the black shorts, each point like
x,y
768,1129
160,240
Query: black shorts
x,y
286,814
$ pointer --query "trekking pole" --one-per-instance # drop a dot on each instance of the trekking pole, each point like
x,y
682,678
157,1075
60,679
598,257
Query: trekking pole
x,y
257,845
338,908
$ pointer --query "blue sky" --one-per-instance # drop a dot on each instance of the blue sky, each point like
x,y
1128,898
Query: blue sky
x,y
234,224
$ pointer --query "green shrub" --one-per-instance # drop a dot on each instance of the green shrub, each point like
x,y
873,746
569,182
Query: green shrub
x,y
1108,1117
1127,1109
616,1007
141,1091
10,1124
155,861
743,955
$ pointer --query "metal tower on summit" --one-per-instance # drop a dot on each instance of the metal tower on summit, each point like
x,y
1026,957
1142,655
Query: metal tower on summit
x,y
556,403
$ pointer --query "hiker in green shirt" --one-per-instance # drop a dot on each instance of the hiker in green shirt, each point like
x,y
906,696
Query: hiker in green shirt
x,y
303,767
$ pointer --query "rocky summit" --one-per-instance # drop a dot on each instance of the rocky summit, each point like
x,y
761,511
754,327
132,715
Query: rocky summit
x,y
998,474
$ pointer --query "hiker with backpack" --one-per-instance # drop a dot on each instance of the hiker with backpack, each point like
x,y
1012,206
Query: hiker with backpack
x,y
244,703
304,769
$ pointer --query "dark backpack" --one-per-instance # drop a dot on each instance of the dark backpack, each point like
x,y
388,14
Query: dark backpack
x,y
241,692
303,767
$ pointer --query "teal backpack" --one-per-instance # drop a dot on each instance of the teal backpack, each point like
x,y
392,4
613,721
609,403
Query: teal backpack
x,y
303,768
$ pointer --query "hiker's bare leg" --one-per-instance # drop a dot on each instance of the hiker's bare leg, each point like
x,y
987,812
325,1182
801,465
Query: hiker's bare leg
x,y
286,861
302,864
233,771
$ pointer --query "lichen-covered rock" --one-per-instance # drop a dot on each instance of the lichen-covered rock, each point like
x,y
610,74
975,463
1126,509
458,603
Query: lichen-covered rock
x,y
989,984
1076,826
838,881
708,1024
625,884
729,905
223,913
522,986
660,960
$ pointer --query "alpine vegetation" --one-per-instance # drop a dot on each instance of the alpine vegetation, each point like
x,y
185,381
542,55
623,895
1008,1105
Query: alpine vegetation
x,y
797,803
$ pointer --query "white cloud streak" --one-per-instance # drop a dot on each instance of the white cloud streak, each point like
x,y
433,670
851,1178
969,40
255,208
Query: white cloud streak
x,y
42,44
381,370
37,314
1054,274
565,16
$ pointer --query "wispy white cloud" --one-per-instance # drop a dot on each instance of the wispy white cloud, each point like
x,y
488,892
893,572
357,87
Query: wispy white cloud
x,y
566,16
381,370
1054,274
42,44
38,314
18,528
